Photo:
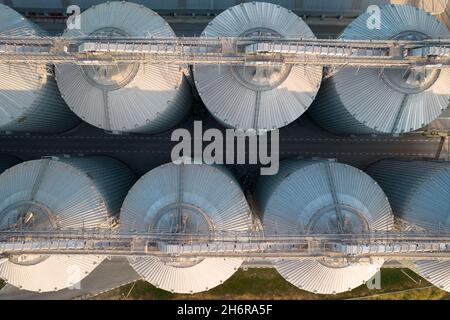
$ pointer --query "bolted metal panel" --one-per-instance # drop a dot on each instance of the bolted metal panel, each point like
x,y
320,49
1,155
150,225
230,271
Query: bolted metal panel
x,y
257,97
125,97
59,194
322,196
29,98
186,199
419,191
371,100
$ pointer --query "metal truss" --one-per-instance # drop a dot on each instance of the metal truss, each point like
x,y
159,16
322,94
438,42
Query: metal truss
x,y
434,53
394,244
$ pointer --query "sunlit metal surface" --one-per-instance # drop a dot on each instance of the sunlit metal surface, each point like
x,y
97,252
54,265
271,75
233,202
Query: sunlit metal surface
x,y
419,191
186,199
305,191
385,101
58,194
315,275
323,196
29,97
124,96
257,97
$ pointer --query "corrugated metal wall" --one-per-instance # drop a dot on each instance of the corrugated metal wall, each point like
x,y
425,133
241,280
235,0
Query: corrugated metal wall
x,y
211,188
419,191
150,98
209,191
80,191
371,100
29,98
257,97
287,201
304,197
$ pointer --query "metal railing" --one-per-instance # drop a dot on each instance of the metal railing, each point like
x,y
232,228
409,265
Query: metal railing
x,y
221,243
432,53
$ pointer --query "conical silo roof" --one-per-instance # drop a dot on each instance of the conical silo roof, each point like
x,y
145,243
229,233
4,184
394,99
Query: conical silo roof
x,y
435,7
29,97
391,100
321,196
185,199
58,194
257,97
133,97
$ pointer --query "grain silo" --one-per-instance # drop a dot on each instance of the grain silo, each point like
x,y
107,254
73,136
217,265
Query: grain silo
x,y
133,97
439,8
185,199
29,97
445,15
419,192
59,194
435,271
390,100
322,196
257,96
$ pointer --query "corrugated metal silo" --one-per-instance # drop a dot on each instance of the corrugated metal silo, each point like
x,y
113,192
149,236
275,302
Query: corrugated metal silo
x,y
133,97
257,97
185,199
435,271
29,97
370,100
419,192
59,194
322,196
